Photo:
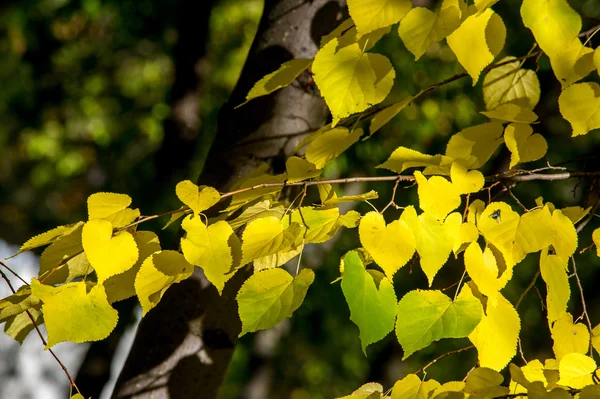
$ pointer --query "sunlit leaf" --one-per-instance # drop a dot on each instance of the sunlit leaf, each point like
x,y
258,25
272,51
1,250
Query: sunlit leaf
x,y
511,113
428,316
483,270
387,114
437,196
17,303
260,209
240,199
569,337
352,198
580,105
554,273
476,144
183,210
484,382
270,296
198,198
104,205
48,237
19,326
511,84
576,370
299,169
565,236
330,144
285,75
596,239
463,180
370,390
524,145
403,158
369,15
66,252
411,387
267,236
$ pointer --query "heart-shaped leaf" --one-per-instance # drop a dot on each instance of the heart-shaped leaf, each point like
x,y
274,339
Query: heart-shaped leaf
x,y
198,198
463,180
108,254
390,246
580,105
524,145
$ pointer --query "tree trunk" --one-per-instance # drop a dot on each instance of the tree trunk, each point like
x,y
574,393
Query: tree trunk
x,y
184,345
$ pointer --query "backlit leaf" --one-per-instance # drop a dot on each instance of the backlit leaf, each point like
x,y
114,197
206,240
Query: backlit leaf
x,y
391,246
352,198
322,224
477,41
285,75
243,198
158,272
569,337
411,387
403,158
573,63
67,251
484,382
369,15
19,326
580,105
511,84
370,390
387,114
260,209
428,316
330,144
476,144
496,336
270,296
483,270
198,198
104,205
73,314
554,273
48,237
267,236
437,196
576,370
524,145
299,169
463,180
372,308
208,248
511,113
17,303
565,236
108,254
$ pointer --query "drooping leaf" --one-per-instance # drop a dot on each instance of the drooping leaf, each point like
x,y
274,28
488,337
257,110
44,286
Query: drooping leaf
x,y
285,75
569,337
270,296
580,105
475,144
108,254
372,308
369,15
511,84
299,169
477,41
465,234
17,303
576,370
19,326
277,259
484,382
337,32
158,272
330,144
428,316
437,196
73,314
523,144
183,210
321,224
198,198
554,273
511,113
391,246
411,387
463,180
403,158
483,270
495,337
565,236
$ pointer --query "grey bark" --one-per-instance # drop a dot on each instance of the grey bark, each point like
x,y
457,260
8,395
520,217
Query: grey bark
x,y
184,345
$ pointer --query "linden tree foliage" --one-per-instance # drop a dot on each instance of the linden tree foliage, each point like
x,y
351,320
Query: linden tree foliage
x,y
89,265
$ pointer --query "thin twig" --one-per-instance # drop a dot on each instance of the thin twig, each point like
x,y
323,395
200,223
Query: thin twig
x,y
422,370
589,218
529,287
393,200
62,366
14,273
583,305
514,197
521,351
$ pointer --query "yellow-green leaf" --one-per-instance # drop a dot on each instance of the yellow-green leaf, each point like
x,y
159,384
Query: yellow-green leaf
x,y
19,326
157,273
17,303
428,316
104,205
299,169
511,113
511,84
573,63
565,236
484,383
321,224
267,236
241,199
387,114
369,15
496,336
569,337
554,273
270,296
183,210
523,144
403,158
261,209
208,248
372,306
475,144
463,180
422,27
68,252
73,314
437,196
285,75
330,144
370,390
580,105
576,370
198,198
337,32
391,246
48,237
477,41
411,387
276,260
352,198
351,80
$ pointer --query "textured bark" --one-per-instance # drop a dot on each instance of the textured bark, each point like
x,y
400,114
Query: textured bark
x,y
184,345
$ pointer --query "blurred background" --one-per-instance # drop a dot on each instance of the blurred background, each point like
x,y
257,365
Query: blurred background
x,y
123,96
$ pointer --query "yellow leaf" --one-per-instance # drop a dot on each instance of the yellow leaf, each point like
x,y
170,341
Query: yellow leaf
x,y
329,145
68,252
421,27
267,236
575,213
574,62
73,314
597,59
108,254
483,5
580,105
437,196
496,335
19,326
596,338
387,114
209,249
321,224
299,169
450,386
476,208
475,144
467,233
370,390
554,273
576,370
352,198
569,337
523,144
483,382
432,240
157,273
183,210
104,205
516,236
477,41
365,42
511,84
465,181
532,371
337,32
261,209
121,286
391,246
369,15
245,197
285,75
511,113
483,270
48,237
276,260
351,80
403,158
596,239
198,198
565,235
411,387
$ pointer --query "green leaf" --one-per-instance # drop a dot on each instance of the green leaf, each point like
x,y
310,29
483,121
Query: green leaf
x,y
330,144
285,75
270,296
372,308
73,314
428,316
198,198
511,84
369,15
